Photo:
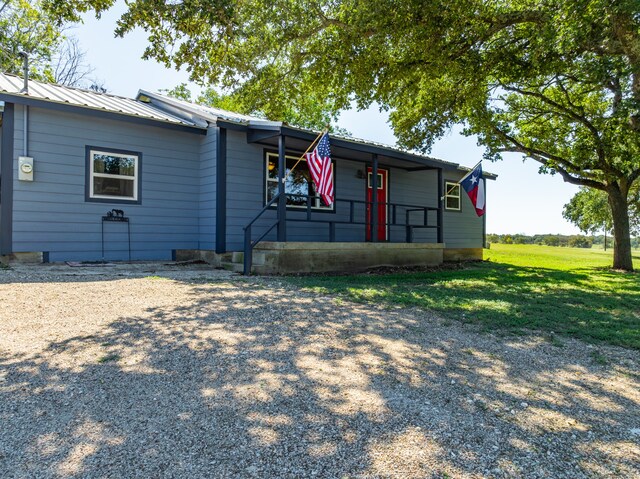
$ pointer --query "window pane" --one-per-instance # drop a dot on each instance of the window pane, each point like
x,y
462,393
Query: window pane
x,y
272,190
112,187
114,164
452,203
380,180
272,167
298,182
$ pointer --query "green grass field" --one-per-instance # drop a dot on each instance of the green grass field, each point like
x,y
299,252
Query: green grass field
x,y
560,291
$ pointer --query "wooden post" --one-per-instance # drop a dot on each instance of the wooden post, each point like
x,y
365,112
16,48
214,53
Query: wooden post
x,y
374,199
282,199
484,216
440,229
221,190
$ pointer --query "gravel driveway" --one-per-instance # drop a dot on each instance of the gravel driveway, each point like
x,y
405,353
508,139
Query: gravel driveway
x,y
164,371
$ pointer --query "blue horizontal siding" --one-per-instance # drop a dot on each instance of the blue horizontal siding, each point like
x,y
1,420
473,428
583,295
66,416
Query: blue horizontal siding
x,y
462,229
178,209
207,190
51,214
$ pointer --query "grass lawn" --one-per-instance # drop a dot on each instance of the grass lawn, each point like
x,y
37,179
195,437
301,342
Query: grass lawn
x,y
568,291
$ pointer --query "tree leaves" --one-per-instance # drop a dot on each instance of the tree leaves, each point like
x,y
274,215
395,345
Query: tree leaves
x,y
25,27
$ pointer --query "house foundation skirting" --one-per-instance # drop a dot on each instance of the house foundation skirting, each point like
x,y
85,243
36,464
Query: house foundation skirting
x,y
25,258
322,257
462,254
309,257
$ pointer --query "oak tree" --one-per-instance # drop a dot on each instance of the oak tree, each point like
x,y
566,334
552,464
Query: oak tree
x,y
589,210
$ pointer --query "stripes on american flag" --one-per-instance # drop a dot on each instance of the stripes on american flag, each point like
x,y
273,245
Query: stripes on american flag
x,y
319,162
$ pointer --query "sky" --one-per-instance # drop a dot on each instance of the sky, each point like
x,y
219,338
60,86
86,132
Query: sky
x,y
520,201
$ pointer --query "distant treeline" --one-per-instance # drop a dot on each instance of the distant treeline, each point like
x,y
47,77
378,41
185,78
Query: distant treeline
x,y
574,241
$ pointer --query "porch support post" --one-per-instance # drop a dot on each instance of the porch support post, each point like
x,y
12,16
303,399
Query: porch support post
x,y
6,173
374,199
282,199
440,229
484,216
221,190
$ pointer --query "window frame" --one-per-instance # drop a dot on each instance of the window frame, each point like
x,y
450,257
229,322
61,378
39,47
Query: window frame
x,y
447,195
90,175
380,178
319,206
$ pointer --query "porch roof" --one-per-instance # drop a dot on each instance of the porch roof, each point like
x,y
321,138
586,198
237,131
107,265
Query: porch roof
x,y
343,147
266,132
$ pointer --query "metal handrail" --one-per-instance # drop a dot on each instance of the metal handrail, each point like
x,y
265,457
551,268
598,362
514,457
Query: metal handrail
x,y
248,244
336,200
394,206
266,207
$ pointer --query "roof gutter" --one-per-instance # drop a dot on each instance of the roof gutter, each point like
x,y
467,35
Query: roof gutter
x,y
25,90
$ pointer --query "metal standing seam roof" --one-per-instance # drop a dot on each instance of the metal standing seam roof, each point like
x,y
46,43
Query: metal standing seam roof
x,y
213,114
13,85
205,112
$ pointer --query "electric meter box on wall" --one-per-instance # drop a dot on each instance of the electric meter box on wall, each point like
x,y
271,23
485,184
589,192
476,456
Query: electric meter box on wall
x,y
25,168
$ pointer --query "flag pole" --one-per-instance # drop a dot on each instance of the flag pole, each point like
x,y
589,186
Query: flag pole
x,y
460,181
470,171
307,151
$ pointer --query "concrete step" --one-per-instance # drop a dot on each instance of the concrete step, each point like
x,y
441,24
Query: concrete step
x,y
258,257
226,257
235,267
261,269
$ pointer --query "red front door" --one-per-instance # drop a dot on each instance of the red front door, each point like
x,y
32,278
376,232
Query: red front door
x,y
382,197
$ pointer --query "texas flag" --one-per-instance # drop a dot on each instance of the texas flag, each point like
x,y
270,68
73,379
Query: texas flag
x,y
473,184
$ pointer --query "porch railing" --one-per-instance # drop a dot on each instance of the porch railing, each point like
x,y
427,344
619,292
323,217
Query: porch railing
x,y
411,213
249,244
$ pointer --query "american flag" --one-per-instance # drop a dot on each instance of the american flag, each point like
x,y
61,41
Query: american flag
x,y
319,161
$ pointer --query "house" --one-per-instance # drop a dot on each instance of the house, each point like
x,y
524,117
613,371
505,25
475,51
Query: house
x,y
87,176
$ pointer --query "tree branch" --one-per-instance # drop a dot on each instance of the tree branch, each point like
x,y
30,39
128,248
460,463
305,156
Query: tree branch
x,y
572,114
4,5
521,148
568,178
543,158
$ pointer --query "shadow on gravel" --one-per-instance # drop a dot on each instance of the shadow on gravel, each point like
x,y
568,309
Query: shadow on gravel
x,y
246,380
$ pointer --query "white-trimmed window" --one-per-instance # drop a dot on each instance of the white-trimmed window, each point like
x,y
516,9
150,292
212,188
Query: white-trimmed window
x,y
113,175
451,196
298,182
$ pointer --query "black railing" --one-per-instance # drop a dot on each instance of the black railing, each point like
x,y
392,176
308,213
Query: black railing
x,y
410,212
248,243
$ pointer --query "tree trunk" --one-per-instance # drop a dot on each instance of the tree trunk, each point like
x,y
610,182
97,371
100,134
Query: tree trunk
x,y
621,235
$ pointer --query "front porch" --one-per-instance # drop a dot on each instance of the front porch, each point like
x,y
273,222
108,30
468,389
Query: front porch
x,y
388,210
272,257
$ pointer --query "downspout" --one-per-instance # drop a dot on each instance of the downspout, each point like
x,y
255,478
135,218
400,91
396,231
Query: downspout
x,y
484,216
282,198
374,199
25,90
440,216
